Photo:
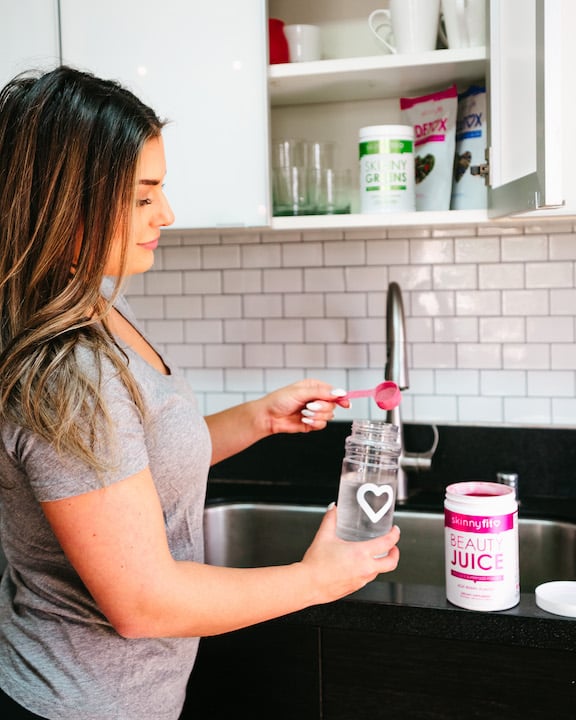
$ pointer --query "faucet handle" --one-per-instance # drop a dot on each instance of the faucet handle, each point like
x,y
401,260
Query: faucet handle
x,y
421,461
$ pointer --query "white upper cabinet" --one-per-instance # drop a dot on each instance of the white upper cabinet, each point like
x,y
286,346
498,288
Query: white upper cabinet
x,y
29,36
526,63
202,66
525,87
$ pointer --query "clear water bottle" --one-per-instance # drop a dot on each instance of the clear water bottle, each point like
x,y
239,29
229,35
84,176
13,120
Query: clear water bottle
x,y
368,483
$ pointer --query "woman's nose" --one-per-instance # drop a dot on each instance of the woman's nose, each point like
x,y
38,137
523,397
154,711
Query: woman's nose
x,y
166,216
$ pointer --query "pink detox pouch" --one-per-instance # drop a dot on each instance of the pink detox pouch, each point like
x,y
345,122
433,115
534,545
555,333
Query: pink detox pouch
x,y
433,118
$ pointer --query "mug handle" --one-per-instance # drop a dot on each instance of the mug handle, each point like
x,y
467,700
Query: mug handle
x,y
376,27
461,8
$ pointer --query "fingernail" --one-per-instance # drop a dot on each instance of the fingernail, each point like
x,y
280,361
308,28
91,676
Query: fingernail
x,y
308,413
314,406
307,421
338,392
332,505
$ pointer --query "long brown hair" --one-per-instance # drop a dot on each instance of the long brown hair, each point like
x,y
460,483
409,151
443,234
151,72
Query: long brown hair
x,y
69,147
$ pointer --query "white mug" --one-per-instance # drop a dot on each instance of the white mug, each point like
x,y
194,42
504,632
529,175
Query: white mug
x,y
413,23
303,42
465,23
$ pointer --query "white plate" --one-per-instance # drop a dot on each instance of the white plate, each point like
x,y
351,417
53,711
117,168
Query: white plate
x,y
557,597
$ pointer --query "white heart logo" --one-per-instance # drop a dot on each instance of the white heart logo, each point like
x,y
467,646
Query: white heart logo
x,y
376,490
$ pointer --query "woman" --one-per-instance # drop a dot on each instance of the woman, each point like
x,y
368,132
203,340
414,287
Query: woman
x,y
103,454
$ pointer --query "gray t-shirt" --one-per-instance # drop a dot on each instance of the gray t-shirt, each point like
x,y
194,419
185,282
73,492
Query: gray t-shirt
x,y
59,656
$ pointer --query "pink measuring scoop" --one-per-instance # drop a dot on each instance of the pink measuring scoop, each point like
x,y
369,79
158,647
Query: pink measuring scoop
x,y
387,395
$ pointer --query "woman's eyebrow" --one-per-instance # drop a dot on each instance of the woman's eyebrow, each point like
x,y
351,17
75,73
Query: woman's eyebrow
x,y
145,181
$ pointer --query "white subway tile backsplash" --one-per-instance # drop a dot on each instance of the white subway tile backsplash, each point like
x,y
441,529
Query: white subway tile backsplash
x,y
183,306
264,305
242,330
525,302
346,355
220,256
549,275
329,331
242,281
166,331
248,380
490,310
344,253
387,252
480,411
563,302
563,247
302,255
506,383
364,330
434,355
346,305
181,258
412,277
431,251
457,382
362,279
564,412
261,256
324,279
454,329
501,276
479,355
502,329
478,302
550,329
285,280
552,384
163,283
477,249
306,305
432,304
223,306
286,331
523,248
204,331
455,277
531,411
535,356
262,355
563,357
202,282
310,355
224,355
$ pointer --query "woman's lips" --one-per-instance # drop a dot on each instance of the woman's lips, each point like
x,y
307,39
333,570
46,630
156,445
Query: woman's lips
x,y
152,245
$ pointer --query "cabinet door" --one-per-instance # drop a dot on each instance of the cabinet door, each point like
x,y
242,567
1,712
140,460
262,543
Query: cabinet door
x,y
28,36
525,90
265,672
203,66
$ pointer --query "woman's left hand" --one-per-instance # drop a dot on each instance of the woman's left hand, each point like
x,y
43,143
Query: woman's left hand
x,y
303,406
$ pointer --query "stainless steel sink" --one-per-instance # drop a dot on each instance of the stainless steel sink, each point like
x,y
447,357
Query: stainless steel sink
x,y
256,534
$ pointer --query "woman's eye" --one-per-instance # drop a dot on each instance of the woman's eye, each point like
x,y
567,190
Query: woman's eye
x,y
144,201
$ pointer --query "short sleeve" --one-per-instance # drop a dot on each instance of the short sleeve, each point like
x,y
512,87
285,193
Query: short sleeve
x,y
53,475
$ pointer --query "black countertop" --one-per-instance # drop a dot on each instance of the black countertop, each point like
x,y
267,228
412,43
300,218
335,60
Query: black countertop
x,y
305,470
423,609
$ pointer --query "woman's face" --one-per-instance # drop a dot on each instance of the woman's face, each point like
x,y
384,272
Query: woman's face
x,y
151,213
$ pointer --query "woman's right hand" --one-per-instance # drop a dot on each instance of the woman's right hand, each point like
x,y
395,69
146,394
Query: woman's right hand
x,y
340,567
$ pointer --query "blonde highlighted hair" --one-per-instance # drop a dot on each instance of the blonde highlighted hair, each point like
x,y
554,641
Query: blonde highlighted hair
x,y
69,148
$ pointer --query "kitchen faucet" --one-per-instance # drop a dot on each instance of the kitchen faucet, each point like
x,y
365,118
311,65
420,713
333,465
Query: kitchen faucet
x,y
397,371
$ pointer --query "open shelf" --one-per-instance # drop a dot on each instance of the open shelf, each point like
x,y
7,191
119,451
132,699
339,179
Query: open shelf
x,y
377,77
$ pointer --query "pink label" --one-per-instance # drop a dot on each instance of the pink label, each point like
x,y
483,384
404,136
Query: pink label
x,y
477,578
479,523
430,138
